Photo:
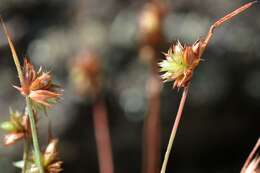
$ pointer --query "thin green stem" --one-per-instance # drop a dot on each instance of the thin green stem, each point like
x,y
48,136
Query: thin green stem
x,y
37,153
28,102
25,154
174,129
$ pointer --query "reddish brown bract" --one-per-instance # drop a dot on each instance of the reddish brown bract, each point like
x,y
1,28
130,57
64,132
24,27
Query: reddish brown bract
x,y
181,61
20,128
38,86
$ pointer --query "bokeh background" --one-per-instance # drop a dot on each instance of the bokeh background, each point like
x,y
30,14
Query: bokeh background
x,y
221,118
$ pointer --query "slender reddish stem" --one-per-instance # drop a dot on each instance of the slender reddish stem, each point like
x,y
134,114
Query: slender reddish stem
x,y
226,18
103,142
151,145
250,157
174,129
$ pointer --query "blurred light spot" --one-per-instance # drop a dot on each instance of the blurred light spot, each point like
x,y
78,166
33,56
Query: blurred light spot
x,y
50,48
40,50
189,27
252,84
124,28
84,9
133,102
232,36
57,44
91,34
132,91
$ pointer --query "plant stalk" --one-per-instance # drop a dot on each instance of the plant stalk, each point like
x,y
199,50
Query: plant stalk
x,y
102,136
28,102
37,153
174,129
151,143
25,154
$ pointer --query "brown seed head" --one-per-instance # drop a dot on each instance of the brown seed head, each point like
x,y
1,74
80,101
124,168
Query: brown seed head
x,y
39,86
180,63
17,128
50,160
52,164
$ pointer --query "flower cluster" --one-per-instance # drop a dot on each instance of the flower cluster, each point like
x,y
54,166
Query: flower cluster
x,y
38,86
50,160
180,63
17,127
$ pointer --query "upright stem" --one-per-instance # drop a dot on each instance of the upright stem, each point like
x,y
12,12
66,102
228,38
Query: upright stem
x,y
151,144
28,102
37,153
25,154
174,129
103,142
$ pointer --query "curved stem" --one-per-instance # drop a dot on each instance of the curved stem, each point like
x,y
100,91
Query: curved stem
x,y
174,129
37,153
25,154
226,18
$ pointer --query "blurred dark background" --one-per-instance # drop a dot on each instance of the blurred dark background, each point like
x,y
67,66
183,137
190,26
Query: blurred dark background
x,y
221,118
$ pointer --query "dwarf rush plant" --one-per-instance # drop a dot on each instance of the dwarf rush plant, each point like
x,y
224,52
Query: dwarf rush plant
x,y
40,93
180,64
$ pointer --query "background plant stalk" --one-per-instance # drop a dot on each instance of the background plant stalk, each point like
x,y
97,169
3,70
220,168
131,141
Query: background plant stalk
x,y
152,130
102,136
